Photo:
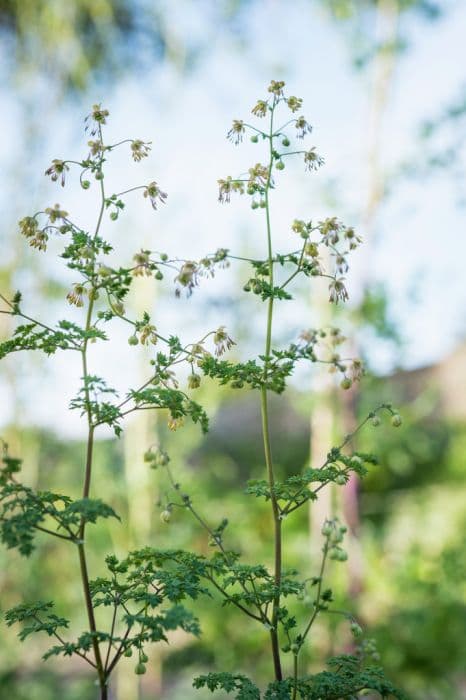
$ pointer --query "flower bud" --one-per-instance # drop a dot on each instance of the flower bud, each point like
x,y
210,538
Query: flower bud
x,y
140,669
375,421
346,383
132,340
254,138
85,184
128,653
396,420
165,516
286,142
280,165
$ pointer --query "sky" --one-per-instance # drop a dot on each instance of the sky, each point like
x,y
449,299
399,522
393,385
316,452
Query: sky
x,y
418,248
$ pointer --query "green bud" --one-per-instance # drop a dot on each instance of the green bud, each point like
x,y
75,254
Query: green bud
x,y
396,420
280,165
263,204
143,657
346,383
254,138
85,184
340,480
165,516
375,421
99,175
128,653
356,629
114,215
159,275
254,205
286,142
132,340
163,257
140,669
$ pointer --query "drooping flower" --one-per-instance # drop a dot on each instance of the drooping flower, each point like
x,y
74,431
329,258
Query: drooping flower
x,y
187,277
235,135
148,334
294,103
338,291
260,109
142,260
139,149
75,296
302,127
258,175
312,160
226,187
155,194
57,170
222,341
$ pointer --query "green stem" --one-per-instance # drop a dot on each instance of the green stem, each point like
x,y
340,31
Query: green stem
x,y
295,676
266,433
87,485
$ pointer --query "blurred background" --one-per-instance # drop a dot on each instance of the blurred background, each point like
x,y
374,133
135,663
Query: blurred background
x,y
384,85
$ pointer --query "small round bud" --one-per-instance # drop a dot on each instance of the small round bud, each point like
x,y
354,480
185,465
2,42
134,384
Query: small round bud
x,y
340,480
251,190
286,142
158,275
132,340
128,653
140,669
254,138
254,205
396,420
163,257
375,421
85,184
143,657
294,648
346,383
327,529
114,215
99,175
356,630
263,204
165,516
280,165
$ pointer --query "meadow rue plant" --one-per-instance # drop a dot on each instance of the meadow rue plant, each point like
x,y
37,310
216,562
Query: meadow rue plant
x,y
142,596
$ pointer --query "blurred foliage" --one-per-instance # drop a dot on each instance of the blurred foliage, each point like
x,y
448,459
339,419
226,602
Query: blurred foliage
x,y
413,519
72,43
